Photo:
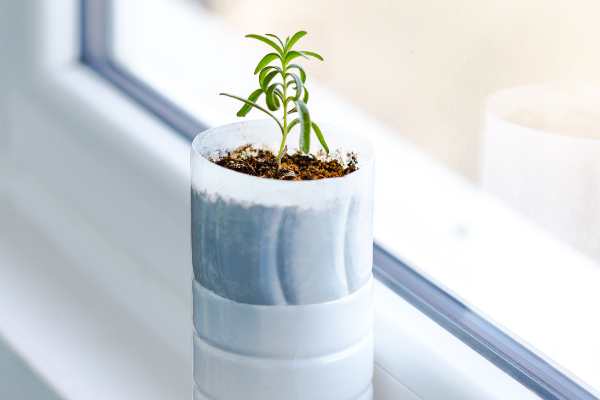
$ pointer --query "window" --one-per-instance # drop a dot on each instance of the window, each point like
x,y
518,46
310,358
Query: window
x,y
413,75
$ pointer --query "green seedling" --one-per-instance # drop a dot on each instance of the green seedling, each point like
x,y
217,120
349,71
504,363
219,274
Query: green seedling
x,y
283,87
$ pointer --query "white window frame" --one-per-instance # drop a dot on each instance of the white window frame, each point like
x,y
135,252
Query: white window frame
x,y
66,123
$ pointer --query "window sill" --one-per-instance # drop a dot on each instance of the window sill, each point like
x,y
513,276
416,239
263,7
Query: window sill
x,y
64,327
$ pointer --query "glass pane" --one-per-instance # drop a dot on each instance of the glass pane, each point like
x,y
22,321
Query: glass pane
x,y
486,117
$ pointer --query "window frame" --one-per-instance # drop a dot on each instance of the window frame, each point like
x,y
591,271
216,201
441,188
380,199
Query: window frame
x,y
94,52
475,331
466,324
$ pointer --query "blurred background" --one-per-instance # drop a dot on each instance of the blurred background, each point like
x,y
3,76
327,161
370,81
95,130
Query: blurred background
x,y
426,67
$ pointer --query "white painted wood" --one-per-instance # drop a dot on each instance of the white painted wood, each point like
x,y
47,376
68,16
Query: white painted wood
x,y
388,387
18,381
429,361
68,331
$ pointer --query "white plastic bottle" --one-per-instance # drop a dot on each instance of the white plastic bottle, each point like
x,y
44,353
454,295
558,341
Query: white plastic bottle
x,y
282,274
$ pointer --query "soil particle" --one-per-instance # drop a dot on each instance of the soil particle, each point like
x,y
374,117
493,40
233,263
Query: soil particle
x,y
294,167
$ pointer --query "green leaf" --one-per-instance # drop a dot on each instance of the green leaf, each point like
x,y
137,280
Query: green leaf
x,y
272,101
291,55
265,71
320,136
278,93
293,124
268,79
263,74
304,118
293,110
247,107
267,41
298,87
305,98
253,104
266,59
310,53
294,39
300,69
276,37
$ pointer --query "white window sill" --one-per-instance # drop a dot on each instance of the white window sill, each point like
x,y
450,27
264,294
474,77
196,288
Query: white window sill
x,y
78,341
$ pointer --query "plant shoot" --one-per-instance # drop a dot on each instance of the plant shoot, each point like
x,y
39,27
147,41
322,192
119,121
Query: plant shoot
x,y
283,87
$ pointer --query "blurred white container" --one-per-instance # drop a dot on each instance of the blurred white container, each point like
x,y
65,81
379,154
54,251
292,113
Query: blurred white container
x,y
283,284
541,155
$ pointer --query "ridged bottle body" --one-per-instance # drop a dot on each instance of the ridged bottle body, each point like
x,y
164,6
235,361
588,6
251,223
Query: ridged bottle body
x,y
282,274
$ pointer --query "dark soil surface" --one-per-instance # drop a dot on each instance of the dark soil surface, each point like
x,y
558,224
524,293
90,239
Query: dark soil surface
x,y
295,167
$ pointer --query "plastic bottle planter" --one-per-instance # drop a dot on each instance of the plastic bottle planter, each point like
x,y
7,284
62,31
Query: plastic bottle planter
x,y
282,274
